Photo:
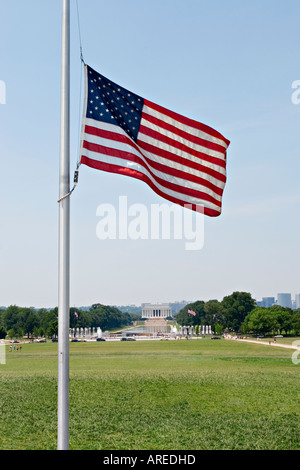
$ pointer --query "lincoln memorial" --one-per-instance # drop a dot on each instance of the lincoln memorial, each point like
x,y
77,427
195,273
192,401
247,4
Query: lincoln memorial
x,y
156,311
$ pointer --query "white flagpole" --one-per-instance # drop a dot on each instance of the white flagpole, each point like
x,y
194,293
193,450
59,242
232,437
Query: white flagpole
x,y
64,240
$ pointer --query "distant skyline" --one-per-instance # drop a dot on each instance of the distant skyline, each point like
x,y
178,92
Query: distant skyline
x,y
231,65
295,301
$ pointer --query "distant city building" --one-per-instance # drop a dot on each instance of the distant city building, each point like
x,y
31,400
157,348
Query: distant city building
x,y
297,301
268,301
284,300
156,311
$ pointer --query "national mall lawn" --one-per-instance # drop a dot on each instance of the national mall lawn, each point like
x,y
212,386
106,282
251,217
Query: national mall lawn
x,y
197,394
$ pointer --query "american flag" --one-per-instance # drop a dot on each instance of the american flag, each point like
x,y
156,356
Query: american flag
x,y
182,160
191,312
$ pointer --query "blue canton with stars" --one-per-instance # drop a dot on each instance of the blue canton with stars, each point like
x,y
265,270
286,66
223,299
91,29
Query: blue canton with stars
x,y
109,102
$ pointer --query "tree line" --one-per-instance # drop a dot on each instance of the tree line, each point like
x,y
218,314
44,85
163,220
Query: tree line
x,y
238,312
20,321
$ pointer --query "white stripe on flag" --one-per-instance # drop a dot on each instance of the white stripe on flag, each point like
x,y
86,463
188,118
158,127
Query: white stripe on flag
x,y
184,127
101,157
127,149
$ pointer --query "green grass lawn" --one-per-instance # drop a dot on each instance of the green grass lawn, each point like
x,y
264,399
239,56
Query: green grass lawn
x,y
154,395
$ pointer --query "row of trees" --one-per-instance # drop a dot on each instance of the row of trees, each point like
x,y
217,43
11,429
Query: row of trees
x,y
230,312
272,320
238,312
20,321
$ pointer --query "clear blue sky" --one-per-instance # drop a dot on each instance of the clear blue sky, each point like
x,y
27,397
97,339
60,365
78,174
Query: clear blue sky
x,y
228,64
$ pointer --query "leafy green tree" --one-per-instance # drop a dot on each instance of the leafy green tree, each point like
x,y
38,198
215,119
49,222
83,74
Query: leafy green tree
x,y
261,321
30,320
10,317
184,318
235,309
20,332
1,311
283,316
41,331
52,329
11,333
218,329
46,317
36,332
3,332
296,322
136,316
213,313
81,320
107,317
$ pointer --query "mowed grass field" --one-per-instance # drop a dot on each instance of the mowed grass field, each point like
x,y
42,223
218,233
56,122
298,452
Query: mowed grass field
x,y
154,395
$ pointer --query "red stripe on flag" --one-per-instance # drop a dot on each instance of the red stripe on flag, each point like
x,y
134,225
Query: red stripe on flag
x,y
185,135
110,168
187,121
177,173
127,156
174,157
167,155
161,153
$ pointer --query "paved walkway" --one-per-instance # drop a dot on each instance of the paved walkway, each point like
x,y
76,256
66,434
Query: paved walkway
x,y
259,341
